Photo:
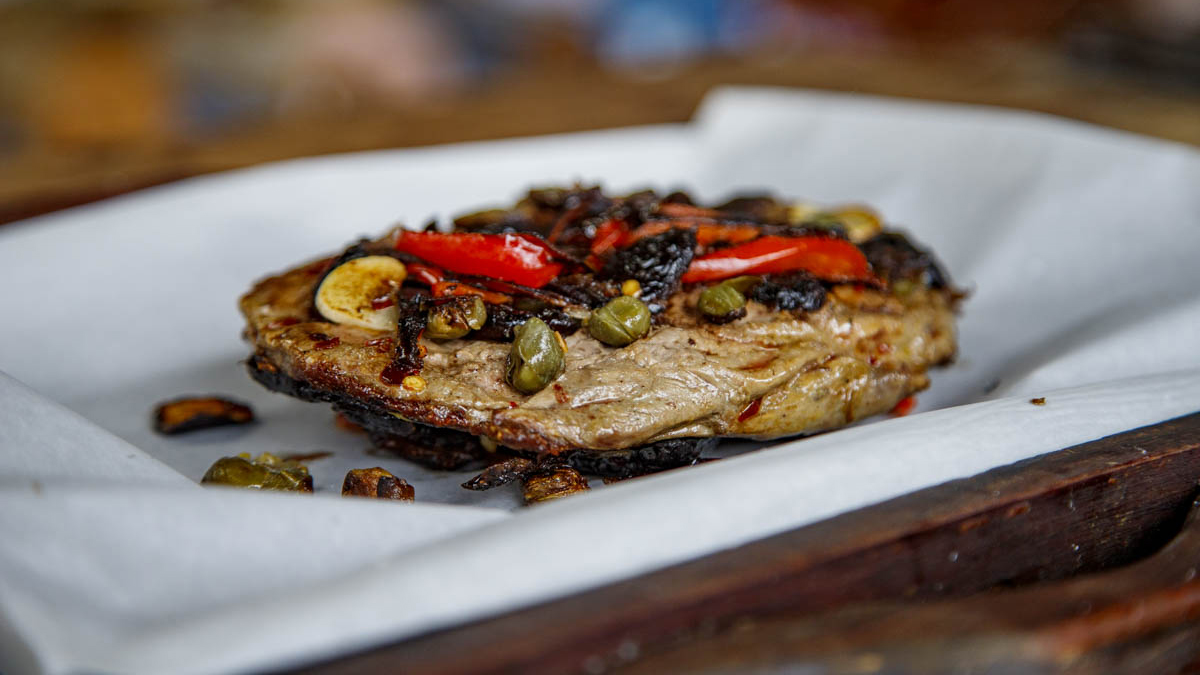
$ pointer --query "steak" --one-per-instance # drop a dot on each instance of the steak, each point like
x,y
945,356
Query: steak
x,y
805,358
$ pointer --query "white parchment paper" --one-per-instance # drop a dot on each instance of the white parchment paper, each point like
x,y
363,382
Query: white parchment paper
x,y
1078,244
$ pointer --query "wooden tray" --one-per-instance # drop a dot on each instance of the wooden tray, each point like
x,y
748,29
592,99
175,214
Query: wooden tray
x,y
1080,561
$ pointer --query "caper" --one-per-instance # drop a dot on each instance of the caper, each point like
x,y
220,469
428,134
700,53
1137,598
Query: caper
x,y
743,283
536,357
267,472
620,322
456,318
722,303
904,287
529,304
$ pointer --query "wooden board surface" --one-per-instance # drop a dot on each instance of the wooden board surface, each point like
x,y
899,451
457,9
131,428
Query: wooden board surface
x,y
1025,568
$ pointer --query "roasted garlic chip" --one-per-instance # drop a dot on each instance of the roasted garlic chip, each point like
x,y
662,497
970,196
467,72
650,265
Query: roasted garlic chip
x,y
199,412
553,484
376,482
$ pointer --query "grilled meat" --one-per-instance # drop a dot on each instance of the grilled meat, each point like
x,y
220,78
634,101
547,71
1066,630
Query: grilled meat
x,y
811,353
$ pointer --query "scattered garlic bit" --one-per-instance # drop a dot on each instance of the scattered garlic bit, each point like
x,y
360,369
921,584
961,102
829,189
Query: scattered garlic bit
x,y
631,287
201,412
413,383
377,482
561,342
356,292
488,444
861,222
798,212
557,483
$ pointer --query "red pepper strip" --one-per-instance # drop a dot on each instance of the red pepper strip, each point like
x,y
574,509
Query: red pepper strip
x,y
826,258
707,231
689,211
609,235
519,258
509,288
444,288
904,407
426,274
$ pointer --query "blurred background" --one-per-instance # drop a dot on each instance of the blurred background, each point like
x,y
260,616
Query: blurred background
x,y
99,97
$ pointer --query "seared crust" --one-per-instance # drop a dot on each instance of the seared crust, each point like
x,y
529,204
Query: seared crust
x,y
859,355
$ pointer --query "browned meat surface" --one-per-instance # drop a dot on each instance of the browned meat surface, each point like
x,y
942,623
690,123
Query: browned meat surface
x,y
858,355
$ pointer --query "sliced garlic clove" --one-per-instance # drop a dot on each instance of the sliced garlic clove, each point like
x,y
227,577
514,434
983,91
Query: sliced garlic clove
x,y
352,293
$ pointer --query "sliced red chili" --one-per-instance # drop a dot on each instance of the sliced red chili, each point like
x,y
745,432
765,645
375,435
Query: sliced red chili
x,y
826,258
707,231
904,407
445,288
689,211
520,258
609,235
750,410
426,274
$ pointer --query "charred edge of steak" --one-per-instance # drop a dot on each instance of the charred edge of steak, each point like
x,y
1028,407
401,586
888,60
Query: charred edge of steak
x,y
893,257
799,291
450,449
657,263
652,458
503,319
434,447
502,473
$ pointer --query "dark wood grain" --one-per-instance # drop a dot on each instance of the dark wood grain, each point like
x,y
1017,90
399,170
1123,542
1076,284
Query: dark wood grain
x,y
1094,506
1142,618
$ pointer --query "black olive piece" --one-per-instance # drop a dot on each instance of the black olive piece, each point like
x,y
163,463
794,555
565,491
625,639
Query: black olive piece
x,y
657,263
798,291
503,319
893,257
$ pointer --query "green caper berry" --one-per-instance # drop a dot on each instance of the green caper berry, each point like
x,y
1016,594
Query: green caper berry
x,y
743,283
903,287
721,303
456,318
620,322
529,304
536,357
242,472
826,221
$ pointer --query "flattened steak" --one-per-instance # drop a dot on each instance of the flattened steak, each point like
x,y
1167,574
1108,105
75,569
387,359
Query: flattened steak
x,y
621,332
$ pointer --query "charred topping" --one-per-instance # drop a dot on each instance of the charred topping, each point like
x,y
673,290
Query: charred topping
x,y
584,289
503,320
656,262
797,291
496,221
761,208
408,357
893,258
